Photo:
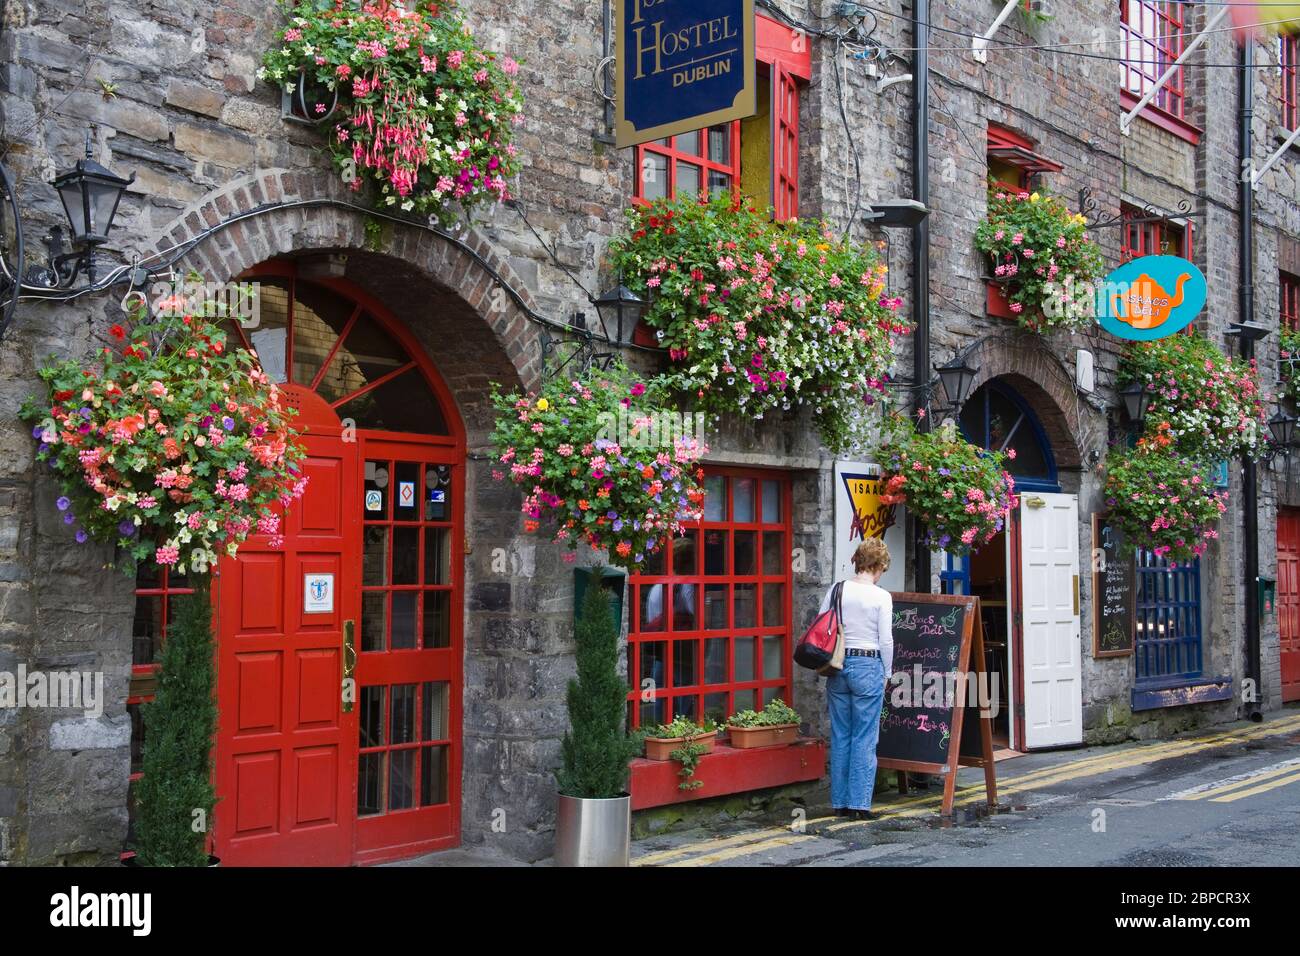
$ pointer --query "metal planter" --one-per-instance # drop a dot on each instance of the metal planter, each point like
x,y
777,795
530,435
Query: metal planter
x,y
593,832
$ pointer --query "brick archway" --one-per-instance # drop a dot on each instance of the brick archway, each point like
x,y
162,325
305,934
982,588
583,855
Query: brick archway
x,y
443,287
1044,384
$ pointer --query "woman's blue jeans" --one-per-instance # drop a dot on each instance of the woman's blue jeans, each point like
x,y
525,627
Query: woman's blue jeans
x,y
855,696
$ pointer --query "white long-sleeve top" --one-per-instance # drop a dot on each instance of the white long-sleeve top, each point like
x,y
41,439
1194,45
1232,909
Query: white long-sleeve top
x,y
867,619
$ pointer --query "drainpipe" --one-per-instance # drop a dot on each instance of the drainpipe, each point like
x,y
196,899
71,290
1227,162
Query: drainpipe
x,y
1246,295
921,250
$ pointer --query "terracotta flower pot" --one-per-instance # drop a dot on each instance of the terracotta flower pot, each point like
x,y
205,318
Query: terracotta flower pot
x,y
661,748
747,738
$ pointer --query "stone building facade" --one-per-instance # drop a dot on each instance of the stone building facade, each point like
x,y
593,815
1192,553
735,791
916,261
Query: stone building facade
x,y
171,95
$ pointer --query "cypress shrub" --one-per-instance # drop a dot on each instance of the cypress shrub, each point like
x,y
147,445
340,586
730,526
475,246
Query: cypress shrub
x,y
175,795
596,750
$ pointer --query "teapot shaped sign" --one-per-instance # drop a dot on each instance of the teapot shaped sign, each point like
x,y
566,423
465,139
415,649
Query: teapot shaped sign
x,y
1150,298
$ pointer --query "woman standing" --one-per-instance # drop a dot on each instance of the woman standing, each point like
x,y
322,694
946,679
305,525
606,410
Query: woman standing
x,y
856,693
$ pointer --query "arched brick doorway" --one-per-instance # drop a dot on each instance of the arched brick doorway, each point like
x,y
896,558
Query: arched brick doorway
x,y
340,653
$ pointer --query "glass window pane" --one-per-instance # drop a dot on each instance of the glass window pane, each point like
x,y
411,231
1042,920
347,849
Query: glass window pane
x,y
271,337
684,606
715,707
686,656
715,552
720,144
437,619
746,553
715,660
147,632
401,709
688,180
715,498
652,608
773,605
368,353
434,706
406,555
406,495
743,491
374,563
771,502
401,779
715,607
775,554
437,492
684,554
772,693
433,776
403,631
372,717
375,500
403,404
746,659
744,700
689,143
745,607
654,655
773,657
719,183
370,777
319,318
437,556
686,706
374,620
654,176
653,711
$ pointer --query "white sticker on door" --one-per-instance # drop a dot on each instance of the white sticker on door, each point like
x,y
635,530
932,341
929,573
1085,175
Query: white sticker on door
x,y
318,594
406,494
374,500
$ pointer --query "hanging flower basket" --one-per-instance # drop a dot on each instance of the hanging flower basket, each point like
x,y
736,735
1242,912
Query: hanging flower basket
x,y
761,316
1289,371
1039,254
1166,504
959,491
425,116
1206,407
312,101
172,445
605,458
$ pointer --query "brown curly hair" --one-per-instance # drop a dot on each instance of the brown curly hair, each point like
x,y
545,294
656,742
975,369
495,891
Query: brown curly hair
x,y
872,555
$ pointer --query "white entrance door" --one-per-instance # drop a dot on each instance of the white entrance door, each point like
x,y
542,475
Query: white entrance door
x,y
1049,568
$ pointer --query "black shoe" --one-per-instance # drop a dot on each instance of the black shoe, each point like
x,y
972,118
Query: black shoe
x,y
865,815
842,812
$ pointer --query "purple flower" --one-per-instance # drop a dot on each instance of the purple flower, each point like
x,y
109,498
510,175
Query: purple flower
x,y
63,503
82,537
84,412
944,471
37,430
127,528
228,423
69,518
42,448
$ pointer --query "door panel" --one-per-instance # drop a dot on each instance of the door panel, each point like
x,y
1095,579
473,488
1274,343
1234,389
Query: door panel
x,y
285,752
1288,600
1052,664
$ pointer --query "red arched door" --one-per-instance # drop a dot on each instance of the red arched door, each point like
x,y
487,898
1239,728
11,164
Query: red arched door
x,y
339,655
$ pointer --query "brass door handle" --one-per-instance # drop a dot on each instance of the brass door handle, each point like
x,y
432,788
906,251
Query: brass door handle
x,y
349,665
1076,595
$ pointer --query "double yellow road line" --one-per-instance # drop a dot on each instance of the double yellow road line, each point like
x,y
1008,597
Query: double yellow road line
x,y
708,852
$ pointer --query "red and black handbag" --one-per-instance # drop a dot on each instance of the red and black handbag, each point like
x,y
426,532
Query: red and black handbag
x,y
818,647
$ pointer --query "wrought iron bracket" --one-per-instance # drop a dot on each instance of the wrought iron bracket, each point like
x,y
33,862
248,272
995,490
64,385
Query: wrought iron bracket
x,y
1089,205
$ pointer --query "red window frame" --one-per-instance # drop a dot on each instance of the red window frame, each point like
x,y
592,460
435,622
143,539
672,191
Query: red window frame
x,y
1289,300
1149,238
674,154
771,537
1149,46
1288,54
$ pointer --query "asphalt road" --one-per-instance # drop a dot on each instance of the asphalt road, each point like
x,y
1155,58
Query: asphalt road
x,y
1226,797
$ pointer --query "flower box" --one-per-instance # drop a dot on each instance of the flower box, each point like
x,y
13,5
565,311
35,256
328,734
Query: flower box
x,y
661,748
749,738
997,304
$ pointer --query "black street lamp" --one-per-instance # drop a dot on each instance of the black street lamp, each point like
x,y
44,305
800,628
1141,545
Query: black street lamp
x,y
623,307
90,195
1281,428
1137,401
957,377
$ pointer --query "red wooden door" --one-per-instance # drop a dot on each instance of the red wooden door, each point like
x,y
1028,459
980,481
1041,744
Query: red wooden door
x,y
1288,599
285,762
409,650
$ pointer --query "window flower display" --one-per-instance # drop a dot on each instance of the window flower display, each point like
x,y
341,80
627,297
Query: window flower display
x,y
426,116
1166,504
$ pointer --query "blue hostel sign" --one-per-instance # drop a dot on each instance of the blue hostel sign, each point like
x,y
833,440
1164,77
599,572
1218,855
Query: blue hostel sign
x,y
683,65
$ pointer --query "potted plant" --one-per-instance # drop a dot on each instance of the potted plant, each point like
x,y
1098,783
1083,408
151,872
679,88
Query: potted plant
x,y
594,818
1165,503
775,724
1289,370
662,740
762,316
1039,252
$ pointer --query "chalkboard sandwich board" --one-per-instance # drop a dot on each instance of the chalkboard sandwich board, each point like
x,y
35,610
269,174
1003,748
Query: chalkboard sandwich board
x,y
1114,590
923,724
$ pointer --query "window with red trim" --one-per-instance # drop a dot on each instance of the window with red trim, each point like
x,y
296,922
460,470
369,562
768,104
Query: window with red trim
x,y
1153,34
709,622
690,164
1288,53
1159,238
1012,160
1289,306
155,592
